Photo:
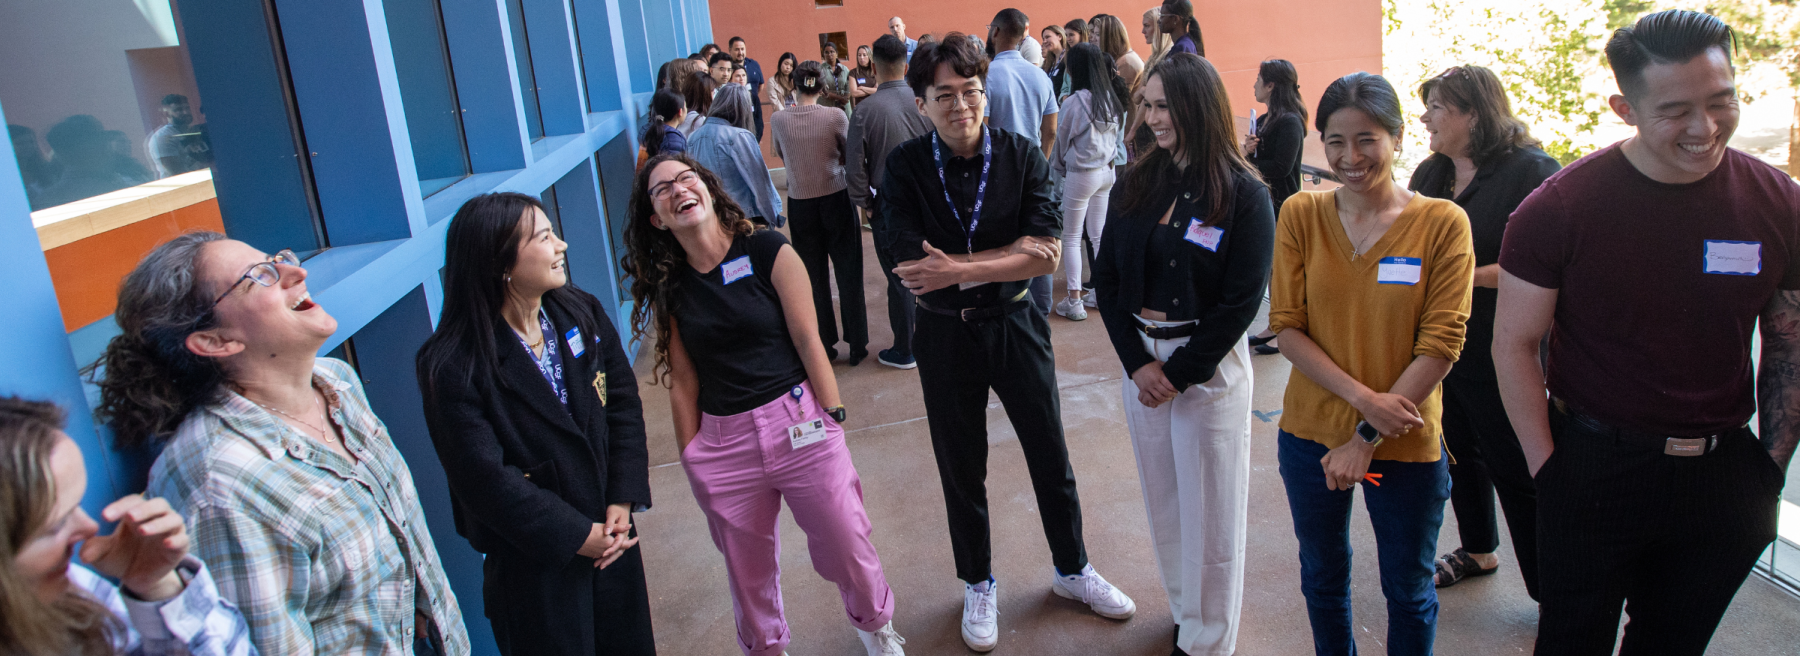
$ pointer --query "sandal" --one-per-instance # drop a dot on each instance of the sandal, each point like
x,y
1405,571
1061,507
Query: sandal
x,y
1458,565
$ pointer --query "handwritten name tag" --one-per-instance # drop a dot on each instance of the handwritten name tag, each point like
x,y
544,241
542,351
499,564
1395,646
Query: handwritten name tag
x,y
737,269
574,339
1734,258
1204,236
1399,270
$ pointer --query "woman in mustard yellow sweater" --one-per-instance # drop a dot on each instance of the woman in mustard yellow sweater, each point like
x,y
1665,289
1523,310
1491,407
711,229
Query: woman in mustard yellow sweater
x,y
1370,291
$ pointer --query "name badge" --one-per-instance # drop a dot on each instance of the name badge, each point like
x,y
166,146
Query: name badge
x,y
1204,236
737,269
1734,258
1399,270
573,337
807,434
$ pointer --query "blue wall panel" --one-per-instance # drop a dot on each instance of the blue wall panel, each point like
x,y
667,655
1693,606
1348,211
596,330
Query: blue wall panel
x,y
634,39
384,360
482,64
35,361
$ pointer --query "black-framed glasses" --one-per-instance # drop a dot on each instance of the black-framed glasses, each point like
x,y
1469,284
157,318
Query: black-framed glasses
x,y
969,97
687,179
261,273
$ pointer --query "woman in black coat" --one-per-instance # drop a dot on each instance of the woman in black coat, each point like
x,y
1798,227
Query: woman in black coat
x,y
535,414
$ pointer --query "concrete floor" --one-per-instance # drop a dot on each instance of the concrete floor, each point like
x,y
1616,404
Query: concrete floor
x,y
888,437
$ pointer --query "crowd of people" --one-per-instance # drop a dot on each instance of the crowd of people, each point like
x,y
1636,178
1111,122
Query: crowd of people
x,y
1573,340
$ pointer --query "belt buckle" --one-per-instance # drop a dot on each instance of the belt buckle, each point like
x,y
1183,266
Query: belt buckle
x,y
1686,447
964,314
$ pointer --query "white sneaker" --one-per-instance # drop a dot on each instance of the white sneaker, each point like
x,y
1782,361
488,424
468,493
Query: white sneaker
x,y
1087,299
1088,588
981,612
883,642
1071,308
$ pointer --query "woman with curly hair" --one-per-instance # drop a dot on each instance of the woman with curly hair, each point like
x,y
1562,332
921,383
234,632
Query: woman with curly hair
x,y
756,407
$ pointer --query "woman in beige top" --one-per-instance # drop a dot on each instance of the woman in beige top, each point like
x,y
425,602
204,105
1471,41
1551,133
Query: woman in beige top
x,y
781,85
1110,33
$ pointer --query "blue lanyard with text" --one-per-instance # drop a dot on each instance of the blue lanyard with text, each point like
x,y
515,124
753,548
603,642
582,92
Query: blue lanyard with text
x,y
987,160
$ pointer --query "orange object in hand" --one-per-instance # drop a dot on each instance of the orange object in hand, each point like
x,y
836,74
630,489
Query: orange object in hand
x,y
1374,479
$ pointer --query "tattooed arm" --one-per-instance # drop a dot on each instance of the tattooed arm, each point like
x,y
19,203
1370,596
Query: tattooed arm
x,y
1778,377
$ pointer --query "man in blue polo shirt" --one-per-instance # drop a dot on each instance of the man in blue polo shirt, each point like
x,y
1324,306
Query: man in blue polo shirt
x,y
740,53
1021,101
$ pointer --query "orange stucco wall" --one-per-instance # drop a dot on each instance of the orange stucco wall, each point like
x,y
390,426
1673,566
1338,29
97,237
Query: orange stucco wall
x,y
87,273
1325,40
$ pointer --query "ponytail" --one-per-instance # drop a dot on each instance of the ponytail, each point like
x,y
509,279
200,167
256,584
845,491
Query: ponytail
x,y
664,106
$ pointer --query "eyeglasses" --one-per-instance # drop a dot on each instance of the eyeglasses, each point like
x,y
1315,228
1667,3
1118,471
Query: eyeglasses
x,y
687,179
969,98
262,273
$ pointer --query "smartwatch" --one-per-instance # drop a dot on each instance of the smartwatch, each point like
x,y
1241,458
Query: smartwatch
x,y
1368,433
838,413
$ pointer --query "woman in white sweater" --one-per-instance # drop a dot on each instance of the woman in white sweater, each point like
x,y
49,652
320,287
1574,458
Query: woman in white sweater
x,y
1088,128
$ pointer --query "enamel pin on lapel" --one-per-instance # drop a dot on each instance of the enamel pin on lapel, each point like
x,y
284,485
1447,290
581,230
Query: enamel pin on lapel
x,y
600,387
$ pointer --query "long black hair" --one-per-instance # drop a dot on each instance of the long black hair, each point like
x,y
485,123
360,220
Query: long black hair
x,y
1204,134
1284,92
480,249
664,107
1093,70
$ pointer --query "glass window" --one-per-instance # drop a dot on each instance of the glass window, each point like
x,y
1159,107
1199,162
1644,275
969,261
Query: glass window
x,y
534,121
427,89
99,97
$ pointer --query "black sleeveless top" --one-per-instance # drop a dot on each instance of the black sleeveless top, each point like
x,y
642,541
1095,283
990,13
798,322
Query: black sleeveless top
x,y
734,330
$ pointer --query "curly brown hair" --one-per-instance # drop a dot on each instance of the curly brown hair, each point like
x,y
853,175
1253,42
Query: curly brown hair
x,y
149,381
654,258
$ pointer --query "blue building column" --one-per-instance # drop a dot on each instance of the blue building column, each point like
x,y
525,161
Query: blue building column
x,y
35,360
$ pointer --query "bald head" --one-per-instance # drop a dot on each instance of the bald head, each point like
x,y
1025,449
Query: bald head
x,y
897,28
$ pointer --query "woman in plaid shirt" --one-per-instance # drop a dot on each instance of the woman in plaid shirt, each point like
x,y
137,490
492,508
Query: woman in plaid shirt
x,y
295,494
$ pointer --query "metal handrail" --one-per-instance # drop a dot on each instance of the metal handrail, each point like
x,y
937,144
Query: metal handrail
x,y
1314,174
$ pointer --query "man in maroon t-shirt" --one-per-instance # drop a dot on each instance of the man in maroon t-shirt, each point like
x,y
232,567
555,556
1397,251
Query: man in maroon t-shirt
x,y
1648,263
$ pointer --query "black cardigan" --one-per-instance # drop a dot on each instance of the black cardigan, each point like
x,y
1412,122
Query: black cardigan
x,y
1231,280
1277,155
528,479
1498,188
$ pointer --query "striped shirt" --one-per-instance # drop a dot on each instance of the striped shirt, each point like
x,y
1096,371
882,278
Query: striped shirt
x,y
196,622
323,555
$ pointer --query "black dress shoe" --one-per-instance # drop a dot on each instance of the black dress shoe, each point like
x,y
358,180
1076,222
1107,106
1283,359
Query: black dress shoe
x,y
857,356
1259,341
1268,350
831,354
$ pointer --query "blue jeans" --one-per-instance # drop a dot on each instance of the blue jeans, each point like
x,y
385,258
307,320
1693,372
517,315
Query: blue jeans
x,y
1405,510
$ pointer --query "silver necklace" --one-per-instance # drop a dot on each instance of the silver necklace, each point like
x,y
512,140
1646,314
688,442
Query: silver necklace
x,y
1356,246
322,432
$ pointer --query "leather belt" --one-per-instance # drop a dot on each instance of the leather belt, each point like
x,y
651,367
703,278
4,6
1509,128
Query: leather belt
x,y
1007,307
1671,445
1169,332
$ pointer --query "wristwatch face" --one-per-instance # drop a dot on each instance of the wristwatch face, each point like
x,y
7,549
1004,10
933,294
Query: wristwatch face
x,y
1368,432
839,415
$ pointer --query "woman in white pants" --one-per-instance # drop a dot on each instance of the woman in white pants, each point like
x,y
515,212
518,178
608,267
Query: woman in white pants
x,y
1087,137
1180,275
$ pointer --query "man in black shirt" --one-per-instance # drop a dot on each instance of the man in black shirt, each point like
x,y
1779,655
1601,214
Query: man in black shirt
x,y
972,219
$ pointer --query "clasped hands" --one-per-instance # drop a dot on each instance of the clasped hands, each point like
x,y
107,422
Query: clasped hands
x,y
938,270
606,542
1392,415
149,542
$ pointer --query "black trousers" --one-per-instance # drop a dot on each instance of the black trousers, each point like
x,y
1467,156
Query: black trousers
x,y
1671,537
827,237
900,306
572,609
1489,460
958,362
